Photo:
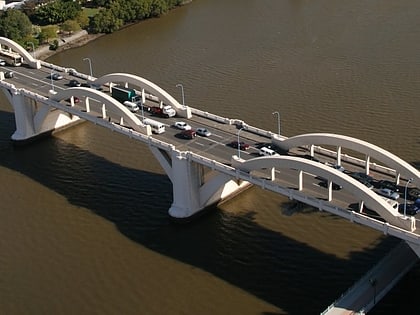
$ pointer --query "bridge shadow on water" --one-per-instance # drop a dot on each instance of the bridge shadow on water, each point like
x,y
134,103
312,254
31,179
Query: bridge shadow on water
x,y
291,275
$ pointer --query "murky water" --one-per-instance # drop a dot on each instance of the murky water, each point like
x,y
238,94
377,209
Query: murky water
x,y
84,225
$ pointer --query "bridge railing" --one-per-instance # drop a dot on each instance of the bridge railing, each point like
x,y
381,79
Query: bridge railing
x,y
354,160
211,116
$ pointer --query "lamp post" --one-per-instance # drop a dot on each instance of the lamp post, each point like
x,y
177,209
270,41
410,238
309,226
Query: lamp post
x,y
52,80
405,196
90,66
182,93
33,48
278,120
239,146
142,111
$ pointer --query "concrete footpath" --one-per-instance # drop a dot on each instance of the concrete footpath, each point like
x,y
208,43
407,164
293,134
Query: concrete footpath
x,y
65,42
376,283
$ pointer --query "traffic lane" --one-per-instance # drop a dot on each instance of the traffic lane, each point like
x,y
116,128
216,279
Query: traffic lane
x,y
40,79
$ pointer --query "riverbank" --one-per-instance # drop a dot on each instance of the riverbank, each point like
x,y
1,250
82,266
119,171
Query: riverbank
x,y
76,40
66,42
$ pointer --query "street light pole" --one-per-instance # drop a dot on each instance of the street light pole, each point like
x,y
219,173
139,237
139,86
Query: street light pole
x,y
182,93
278,120
52,80
33,48
239,146
90,66
405,196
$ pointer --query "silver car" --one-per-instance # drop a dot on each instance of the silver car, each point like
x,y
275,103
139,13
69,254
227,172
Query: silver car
x,y
203,132
386,192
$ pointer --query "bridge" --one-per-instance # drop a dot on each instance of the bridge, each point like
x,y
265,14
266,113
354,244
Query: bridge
x,y
207,170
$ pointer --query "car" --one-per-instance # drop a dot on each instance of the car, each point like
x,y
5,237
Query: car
x,y
241,145
203,132
182,125
56,76
310,157
8,74
410,209
96,87
386,192
75,100
264,151
2,62
188,134
387,184
413,194
334,186
336,166
362,176
74,83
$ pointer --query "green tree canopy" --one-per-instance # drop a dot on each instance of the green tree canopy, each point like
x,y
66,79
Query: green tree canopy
x,y
15,25
56,12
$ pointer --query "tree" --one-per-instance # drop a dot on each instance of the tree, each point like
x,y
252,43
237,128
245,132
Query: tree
x,y
83,19
47,33
105,22
56,12
70,26
15,25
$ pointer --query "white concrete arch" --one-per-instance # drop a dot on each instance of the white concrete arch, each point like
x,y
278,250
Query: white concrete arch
x,y
31,61
128,117
142,83
382,155
357,189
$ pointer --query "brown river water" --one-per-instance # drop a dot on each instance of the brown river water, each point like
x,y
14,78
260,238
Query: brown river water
x,y
84,227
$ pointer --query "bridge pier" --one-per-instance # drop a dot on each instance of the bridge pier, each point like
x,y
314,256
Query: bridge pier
x,y
194,186
33,118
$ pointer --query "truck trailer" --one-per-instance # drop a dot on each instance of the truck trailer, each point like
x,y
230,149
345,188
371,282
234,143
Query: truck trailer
x,y
123,94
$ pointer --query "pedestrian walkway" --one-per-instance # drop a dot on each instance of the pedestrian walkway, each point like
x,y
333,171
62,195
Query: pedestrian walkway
x,y
375,284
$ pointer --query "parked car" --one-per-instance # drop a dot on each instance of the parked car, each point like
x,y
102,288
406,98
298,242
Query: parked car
x,y
242,145
188,134
74,83
182,125
2,62
56,76
386,192
387,184
203,132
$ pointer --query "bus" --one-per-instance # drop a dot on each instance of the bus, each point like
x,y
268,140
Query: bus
x,y
11,58
156,126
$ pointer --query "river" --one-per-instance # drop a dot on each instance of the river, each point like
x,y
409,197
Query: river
x,y
85,228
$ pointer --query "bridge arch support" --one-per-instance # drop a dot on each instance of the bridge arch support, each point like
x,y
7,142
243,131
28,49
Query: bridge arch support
x,y
370,150
31,61
146,85
357,189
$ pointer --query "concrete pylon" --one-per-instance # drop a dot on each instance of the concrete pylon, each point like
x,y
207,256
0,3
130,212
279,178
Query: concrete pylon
x,y
194,186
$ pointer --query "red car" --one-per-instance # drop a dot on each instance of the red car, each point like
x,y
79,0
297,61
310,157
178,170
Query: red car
x,y
188,134
242,145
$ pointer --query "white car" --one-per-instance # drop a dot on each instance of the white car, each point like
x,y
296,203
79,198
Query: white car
x,y
2,62
182,125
